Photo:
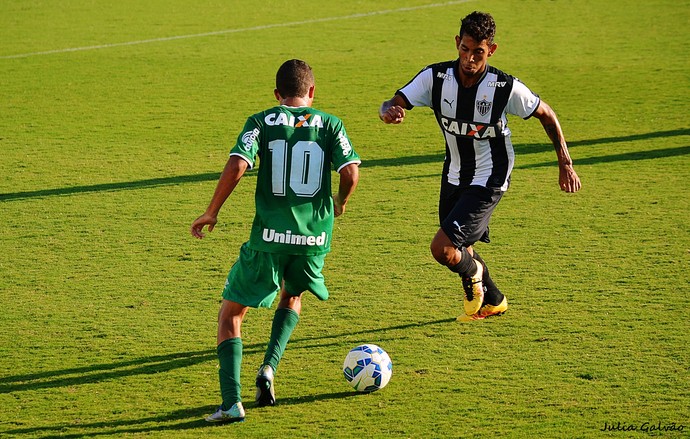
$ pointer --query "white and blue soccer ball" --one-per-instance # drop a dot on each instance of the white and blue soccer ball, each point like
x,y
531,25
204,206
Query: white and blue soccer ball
x,y
367,368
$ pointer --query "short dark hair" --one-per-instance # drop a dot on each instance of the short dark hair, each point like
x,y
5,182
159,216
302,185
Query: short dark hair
x,y
478,25
294,78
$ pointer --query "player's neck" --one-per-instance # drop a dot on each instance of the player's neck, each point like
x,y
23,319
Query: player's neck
x,y
468,80
296,102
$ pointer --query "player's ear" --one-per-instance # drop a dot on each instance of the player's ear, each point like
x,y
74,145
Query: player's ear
x,y
492,48
311,92
457,42
276,93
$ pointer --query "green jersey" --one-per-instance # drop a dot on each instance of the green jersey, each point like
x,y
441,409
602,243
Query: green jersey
x,y
297,148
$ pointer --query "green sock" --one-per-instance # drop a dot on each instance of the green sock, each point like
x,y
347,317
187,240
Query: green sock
x,y
230,359
284,322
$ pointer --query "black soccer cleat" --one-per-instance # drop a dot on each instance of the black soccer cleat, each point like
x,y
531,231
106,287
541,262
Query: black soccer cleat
x,y
265,392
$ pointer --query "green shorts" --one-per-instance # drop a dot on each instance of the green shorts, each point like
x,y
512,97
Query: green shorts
x,y
255,278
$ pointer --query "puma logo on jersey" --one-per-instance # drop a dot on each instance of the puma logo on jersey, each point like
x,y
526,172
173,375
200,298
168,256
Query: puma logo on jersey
x,y
307,121
450,103
469,129
498,84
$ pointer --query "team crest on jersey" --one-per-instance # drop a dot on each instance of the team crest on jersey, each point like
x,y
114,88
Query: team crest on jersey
x,y
483,107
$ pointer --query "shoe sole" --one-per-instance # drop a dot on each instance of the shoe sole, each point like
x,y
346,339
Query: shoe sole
x,y
224,421
266,396
461,319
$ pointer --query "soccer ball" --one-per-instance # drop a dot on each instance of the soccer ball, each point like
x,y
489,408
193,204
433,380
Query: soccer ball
x,y
367,368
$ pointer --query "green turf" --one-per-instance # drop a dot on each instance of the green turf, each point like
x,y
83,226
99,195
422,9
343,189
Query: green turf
x,y
108,153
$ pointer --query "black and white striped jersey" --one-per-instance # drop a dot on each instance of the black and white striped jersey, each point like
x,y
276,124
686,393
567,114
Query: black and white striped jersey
x,y
473,120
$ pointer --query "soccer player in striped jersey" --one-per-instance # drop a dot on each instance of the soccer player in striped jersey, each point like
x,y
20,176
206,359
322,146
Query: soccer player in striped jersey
x,y
298,146
471,101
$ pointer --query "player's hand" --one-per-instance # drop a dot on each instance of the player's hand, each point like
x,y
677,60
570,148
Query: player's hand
x,y
199,223
393,114
568,179
338,207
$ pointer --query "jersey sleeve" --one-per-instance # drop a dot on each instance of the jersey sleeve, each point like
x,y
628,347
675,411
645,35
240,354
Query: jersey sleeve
x,y
522,101
342,152
247,145
417,92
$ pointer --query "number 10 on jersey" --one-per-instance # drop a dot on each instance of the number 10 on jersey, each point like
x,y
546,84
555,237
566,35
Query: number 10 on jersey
x,y
305,170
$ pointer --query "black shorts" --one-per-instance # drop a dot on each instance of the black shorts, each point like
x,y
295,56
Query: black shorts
x,y
464,213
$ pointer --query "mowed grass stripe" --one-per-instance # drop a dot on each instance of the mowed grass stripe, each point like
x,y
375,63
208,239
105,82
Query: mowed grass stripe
x,y
233,31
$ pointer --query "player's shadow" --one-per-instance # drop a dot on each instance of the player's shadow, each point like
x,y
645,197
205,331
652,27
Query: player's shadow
x,y
164,363
177,420
102,372
109,187
626,156
313,398
184,419
397,161
535,148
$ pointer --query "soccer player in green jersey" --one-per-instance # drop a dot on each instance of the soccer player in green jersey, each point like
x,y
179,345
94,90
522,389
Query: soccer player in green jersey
x,y
292,228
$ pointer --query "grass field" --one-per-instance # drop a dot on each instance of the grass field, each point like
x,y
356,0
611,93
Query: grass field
x,y
116,119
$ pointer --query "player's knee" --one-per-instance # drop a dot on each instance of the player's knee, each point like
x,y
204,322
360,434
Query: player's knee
x,y
443,249
443,254
292,302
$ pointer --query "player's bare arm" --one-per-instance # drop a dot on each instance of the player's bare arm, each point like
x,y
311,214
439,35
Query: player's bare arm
x,y
349,177
232,173
567,177
393,110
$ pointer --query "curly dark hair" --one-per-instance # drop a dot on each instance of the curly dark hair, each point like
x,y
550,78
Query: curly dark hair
x,y
294,78
479,25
